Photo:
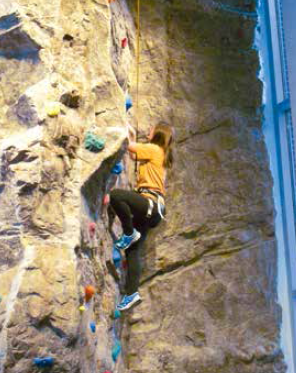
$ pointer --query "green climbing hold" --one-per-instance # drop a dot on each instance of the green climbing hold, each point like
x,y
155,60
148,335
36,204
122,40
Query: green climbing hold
x,y
93,143
117,314
116,350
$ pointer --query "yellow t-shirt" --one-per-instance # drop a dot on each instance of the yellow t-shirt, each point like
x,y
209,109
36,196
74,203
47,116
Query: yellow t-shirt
x,y
151,172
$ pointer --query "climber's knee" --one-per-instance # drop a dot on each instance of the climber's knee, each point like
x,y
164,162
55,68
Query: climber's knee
x,y
115,196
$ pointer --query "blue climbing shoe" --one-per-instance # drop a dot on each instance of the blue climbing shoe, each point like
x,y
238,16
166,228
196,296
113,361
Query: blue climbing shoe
x,y
128,301
126,241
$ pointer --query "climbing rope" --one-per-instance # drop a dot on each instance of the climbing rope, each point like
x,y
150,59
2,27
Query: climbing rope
x,y
138,64
138,75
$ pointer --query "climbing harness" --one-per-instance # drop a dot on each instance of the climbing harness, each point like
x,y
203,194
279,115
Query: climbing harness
x,y
160,202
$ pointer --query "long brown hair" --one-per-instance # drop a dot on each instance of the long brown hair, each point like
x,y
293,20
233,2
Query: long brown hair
x,y
163,137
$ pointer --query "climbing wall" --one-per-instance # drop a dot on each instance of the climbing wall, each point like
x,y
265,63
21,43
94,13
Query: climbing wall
x,y
64,83
67,70
209,282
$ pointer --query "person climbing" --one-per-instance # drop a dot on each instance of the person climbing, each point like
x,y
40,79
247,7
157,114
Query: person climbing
x,y
142,208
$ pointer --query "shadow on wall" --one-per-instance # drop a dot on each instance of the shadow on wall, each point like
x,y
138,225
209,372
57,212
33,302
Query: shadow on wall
x,y
99,184
14,43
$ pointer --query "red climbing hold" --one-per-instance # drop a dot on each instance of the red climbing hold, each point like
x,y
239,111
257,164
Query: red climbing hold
x,y
89,292
124,264
92,229
124,43
106,199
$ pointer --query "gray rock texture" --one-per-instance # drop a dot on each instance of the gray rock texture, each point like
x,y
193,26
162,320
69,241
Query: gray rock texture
x,y
209,270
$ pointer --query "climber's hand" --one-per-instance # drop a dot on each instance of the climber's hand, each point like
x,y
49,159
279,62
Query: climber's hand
x,y
131,133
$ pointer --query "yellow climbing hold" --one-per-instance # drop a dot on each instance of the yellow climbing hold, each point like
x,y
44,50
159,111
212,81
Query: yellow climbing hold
x,y
53,109
81,308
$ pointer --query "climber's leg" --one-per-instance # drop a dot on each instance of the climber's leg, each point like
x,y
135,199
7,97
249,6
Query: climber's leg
x,y
128,205
133,256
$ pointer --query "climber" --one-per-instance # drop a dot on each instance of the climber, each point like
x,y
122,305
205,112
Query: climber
x,y
143,208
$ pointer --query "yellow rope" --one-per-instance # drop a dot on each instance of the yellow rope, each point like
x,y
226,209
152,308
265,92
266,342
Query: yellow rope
x,y
138,63
138,74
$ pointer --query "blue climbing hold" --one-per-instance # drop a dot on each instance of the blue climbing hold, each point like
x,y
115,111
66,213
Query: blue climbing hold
x,y
92,326
117,314
117,169
116,257
44,362
128,102
116,350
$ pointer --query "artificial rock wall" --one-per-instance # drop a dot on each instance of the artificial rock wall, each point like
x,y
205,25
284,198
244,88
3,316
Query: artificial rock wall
x,y
209,270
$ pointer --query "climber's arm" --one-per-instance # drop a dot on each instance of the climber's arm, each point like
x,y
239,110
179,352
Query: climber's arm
x,y
131,141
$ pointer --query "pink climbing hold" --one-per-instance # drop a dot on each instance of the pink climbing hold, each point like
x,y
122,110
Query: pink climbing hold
x,y
92,229
124,43
106,199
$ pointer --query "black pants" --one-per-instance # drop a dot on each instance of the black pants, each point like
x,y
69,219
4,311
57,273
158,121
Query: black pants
x,y
131,209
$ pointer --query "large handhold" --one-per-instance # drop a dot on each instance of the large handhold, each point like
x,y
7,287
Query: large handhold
x,y
93,143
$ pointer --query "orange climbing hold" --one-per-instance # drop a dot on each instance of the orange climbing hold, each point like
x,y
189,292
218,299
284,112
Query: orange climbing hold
x,y
110,1
89,292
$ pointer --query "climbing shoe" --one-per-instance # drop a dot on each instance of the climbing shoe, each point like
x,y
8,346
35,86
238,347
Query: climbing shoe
x,y
126,241
128,301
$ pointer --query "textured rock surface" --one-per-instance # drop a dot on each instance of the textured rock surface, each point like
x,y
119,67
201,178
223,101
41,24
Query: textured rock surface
x,y
209,280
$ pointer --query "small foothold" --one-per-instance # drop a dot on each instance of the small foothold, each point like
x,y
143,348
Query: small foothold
x,y
116,351
128,103
92,229
81,308
117,169
106,199
89,292
117,314
44,362
124,43
53,109
92,326
116,257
